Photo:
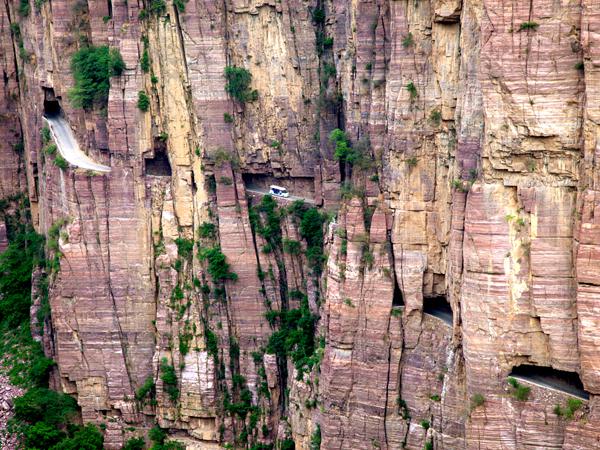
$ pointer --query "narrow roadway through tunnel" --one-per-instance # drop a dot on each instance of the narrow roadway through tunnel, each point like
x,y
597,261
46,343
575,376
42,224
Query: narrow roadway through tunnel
x,y
68,146
547,377
291,198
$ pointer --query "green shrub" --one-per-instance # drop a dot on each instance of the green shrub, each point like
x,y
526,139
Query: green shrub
x,y
85,438
184,247
218,268
318,16
46,135
477,400
408,40
435,117
61,162
530,25
169,379
207,230
573,404
135,444
228,118
157,7
24,8
412,90
425,424
147,388
143,102
145,61
520,392
287,444
315,439
92,68
311,229
42,435
328,42
45,405
329,71
180,5
50,149
428,445
238,84
579,65
295,337
291,246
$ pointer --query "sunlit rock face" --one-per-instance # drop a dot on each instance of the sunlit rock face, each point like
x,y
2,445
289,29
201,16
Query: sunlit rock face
x,y
475,125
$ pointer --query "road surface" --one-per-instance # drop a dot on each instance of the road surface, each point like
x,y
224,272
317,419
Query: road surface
x,y
553,383
442,314
291,198
68,146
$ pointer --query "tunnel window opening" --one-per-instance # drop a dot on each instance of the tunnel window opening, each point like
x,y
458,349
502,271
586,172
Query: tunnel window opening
x,y
159,165
561,380
398,299
110,12
194,186
439,307
51,103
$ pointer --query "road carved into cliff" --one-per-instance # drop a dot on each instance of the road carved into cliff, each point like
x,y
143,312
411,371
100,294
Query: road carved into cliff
x,y
68,146
291,198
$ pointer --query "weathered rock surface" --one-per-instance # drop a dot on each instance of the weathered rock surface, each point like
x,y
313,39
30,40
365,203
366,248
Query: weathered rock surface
x,y
478,125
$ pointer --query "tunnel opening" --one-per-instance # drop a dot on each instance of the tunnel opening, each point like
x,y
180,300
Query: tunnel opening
x,y
568,382
439,307
398,299
158,166
51,103
296,186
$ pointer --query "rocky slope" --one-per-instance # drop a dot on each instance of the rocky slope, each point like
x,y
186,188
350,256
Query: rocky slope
x,y
476,127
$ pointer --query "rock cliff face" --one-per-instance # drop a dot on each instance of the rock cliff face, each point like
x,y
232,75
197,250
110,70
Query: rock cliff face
x,y
475,188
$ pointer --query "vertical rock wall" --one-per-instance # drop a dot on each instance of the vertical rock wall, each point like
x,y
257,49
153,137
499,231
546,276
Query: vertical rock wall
x,y
478,119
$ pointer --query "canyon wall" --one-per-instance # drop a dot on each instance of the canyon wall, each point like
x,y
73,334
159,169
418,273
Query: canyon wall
x,y
475,124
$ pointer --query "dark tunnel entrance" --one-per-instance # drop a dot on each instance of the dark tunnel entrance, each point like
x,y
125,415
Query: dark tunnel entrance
x,y
438,307
398,299
159,165
51,103
561,380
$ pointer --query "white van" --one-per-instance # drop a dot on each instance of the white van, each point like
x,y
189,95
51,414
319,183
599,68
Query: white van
x,y
278,191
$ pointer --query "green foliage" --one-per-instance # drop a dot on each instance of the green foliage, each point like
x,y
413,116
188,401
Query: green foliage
x,y
291,246
45,405
218,267
520,392
184,247
345,152
135,444
573,404
270,227
42,435
24,8
530,25
16,264
61,162
425,424
408,40
318,16
412,90
92,68
311,229
50,149
169,379
435,398
329,71
477,400
238,84
295,336
228,118
435,117
579,65
180,5
157,7
328,42
147,388
428,445
145,61
85,438
212,342
315,439
287,444
184,343
143,102
46,135
207,230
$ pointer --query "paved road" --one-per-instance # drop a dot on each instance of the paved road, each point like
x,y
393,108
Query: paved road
x,y
553,383
68,146
445,316
291,198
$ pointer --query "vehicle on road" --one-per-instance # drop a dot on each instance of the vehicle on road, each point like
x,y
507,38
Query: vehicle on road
x,y
278,191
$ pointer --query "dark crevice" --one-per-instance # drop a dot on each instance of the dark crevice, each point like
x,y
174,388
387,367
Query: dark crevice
x,y
398,299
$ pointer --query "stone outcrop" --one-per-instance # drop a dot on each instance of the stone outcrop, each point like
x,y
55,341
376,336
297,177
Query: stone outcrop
x,y
476,185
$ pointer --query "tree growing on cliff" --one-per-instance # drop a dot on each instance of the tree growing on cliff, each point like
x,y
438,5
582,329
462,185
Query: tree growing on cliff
x,y
92,69
238,84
